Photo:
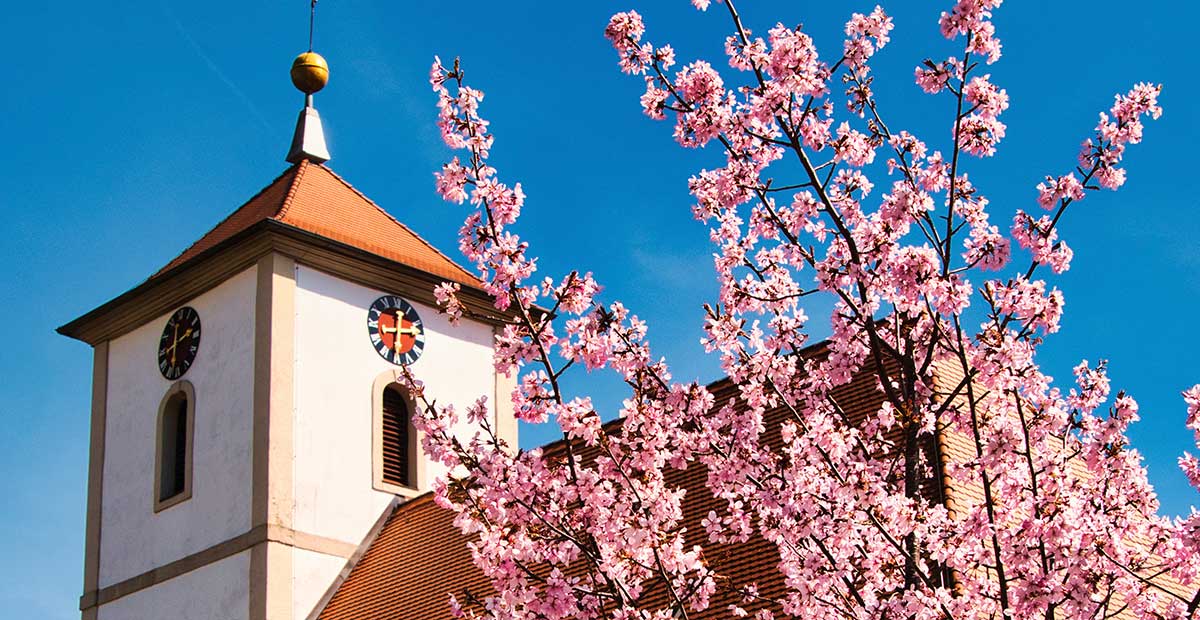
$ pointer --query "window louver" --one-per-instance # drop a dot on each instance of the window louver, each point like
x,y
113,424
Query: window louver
x,y
395,438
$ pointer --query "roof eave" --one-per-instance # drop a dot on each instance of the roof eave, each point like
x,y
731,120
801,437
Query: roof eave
x,y
79,327
244,248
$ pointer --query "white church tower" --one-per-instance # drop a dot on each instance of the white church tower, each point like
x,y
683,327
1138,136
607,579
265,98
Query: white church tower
x,y
246,431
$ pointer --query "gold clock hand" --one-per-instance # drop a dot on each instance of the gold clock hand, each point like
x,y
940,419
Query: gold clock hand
x,y
400,331
176,343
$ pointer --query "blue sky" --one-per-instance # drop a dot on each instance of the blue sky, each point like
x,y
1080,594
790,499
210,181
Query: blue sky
x,y
132,128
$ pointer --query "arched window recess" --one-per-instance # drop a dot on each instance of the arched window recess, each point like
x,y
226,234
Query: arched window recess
x,y
173,446
396,464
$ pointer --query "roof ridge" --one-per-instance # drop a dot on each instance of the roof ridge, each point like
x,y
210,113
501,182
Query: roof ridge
x,y
227,217
398,222
291,193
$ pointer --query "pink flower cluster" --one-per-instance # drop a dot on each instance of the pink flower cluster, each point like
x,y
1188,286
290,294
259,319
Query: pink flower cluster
x,y
1098,160
866,34
934,77
793,62
1040,237
978,129
981,129
1028,303
969,487
1190,465
853,147
1064,188
970,18
625,31
1121,127
625,524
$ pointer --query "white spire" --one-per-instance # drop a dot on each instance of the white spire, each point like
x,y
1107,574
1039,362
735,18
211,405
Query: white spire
x,y
309,140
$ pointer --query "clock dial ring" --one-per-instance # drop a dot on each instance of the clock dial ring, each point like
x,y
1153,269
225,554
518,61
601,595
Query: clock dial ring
x,y
179,343
395,329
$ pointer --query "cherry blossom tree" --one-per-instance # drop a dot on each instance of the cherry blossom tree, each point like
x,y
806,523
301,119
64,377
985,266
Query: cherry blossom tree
x,y
932,303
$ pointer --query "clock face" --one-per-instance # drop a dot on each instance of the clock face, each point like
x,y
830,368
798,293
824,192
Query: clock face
x,y
179,343
395,329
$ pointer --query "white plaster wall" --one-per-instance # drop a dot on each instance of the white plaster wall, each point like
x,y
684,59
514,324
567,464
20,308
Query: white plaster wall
x,y
135,539
312,574
335,369
218,591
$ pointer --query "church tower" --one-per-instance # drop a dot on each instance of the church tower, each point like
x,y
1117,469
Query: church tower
x,y
247,433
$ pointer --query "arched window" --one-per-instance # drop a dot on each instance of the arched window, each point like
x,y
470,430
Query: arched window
x,y
396,464
395,437
173,450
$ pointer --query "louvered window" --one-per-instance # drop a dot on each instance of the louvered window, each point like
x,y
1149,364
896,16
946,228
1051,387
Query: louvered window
x,y
395,438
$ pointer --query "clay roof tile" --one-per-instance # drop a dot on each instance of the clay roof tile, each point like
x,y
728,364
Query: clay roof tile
x,y
313,198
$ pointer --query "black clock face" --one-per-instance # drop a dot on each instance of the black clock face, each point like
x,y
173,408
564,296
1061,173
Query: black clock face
x,y
179,343
395,329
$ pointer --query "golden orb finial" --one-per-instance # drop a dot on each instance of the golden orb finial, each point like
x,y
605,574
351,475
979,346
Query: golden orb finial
x,y
310,72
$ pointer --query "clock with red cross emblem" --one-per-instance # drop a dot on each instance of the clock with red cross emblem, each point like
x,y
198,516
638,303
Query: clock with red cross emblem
x,y
395,329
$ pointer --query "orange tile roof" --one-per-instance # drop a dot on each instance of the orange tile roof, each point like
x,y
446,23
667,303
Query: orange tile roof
x,y
312,198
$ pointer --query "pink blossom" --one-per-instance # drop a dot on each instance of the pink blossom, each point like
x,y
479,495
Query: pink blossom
x,y
987,248
1028,302
446,295
703,91
1041,238
746,55
969,17
1188,463
625,26
1054,190
980,134
793,62
1102,153
853,147
988,100
654,101
576,293
791,456
933,78
1192,398
865,35
904,205
815,131
624,31
451,181
1110,178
